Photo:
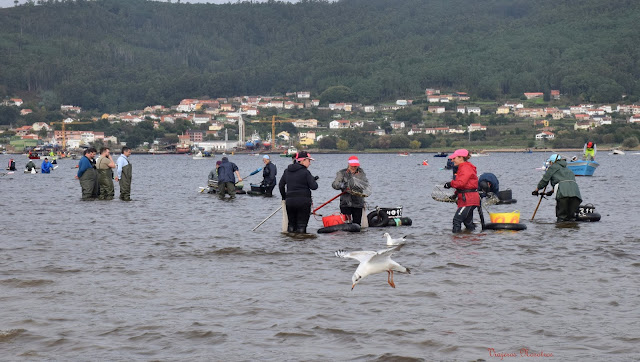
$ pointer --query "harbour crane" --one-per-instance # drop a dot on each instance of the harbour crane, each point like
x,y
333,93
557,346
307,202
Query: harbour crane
x,y
64,134
273,127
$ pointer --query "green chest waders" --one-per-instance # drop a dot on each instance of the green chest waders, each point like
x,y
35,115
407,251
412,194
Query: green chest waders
x,y
88,182
125,183
106,184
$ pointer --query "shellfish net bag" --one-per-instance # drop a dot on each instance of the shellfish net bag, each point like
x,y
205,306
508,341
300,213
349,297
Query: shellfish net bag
x,y
358,187
441,194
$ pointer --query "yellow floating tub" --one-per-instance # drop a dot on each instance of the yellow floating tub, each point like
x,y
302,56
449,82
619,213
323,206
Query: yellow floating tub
x,y
505,217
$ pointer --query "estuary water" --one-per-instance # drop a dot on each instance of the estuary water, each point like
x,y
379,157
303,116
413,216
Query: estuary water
x,y
179,275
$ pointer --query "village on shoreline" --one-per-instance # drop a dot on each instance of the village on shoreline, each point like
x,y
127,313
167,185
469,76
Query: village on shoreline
x,y
433,122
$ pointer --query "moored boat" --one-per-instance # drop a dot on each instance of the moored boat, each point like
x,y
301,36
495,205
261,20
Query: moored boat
x,y
582,167
291,151
441,154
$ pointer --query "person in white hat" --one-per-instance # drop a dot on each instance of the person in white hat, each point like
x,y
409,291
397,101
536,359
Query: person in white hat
x,y
564,184
269,173
350,204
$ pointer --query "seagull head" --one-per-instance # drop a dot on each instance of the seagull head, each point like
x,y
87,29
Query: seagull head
x,y
386,235
355,279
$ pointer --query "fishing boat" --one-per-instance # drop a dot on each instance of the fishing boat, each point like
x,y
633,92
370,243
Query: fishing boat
x,y
441,154
291,151
582,167
183,148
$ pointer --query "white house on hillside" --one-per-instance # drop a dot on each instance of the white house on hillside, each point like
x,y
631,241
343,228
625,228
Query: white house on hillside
x,y
339,124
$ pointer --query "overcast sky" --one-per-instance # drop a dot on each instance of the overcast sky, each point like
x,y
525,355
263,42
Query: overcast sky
x,y
9,3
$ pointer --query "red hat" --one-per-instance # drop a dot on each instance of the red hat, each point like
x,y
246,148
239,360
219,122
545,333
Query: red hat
x,y
461,152
353,161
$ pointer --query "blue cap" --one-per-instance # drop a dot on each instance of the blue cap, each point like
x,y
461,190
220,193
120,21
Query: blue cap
x,y
266,157
555,157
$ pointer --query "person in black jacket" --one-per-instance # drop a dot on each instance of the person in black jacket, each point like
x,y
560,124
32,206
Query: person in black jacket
x,y
298,182
269,173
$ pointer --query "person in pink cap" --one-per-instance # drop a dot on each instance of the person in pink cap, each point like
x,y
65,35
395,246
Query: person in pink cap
x,y
295,188
350,204
466,185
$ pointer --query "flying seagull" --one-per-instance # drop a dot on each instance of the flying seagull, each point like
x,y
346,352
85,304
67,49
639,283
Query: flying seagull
x,y
372,262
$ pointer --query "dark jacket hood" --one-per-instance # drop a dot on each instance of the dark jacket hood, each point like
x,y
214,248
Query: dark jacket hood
x,y
295,167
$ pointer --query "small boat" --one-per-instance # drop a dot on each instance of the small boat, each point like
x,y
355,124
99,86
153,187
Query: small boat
x,y
616,152
441,154
199,156
158,152
476,154
291,151
403,154
582,167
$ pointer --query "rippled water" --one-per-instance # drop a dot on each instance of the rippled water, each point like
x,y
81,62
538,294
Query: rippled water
x,y
179,275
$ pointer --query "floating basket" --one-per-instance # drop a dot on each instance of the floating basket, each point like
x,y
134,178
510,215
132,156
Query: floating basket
x,y
331,220
505,217
443,195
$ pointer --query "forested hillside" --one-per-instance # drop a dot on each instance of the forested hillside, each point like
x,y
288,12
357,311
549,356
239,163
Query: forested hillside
x,y
122,54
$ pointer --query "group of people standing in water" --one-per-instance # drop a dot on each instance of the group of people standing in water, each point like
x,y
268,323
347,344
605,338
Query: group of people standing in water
x,y
96,177
470,188
297,182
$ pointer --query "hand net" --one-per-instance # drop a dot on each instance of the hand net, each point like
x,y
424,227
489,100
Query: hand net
x,y
441,194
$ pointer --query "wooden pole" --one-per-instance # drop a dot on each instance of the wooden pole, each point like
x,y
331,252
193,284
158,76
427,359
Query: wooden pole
x,y
539,201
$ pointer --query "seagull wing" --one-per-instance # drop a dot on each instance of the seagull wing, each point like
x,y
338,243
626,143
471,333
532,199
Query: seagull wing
x,y
386,253
361,256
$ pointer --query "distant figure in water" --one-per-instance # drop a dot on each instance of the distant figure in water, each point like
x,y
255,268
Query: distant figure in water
x,y
12,165
46,166
30,166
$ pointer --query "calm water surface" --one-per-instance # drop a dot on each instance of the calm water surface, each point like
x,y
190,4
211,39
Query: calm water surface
x,y
179,275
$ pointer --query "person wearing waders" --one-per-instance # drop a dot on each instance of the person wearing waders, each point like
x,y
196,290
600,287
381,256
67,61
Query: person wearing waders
x,y
123,174
351,205
269,173
564,184
105,166
466,185
227,172
87,174
295,188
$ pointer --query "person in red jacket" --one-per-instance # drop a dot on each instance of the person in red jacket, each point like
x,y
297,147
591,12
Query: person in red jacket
x,y
466,185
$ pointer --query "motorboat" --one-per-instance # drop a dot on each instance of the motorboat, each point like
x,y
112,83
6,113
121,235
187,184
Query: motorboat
x,y
616,152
